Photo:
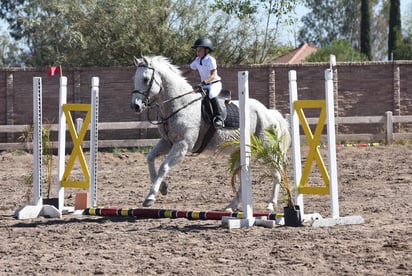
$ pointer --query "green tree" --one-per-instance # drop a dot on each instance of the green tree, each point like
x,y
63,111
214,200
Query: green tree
x,y
365,38
84,33
110,33
342,49
341,19
395,27
10,52
259,40
404,51
330,20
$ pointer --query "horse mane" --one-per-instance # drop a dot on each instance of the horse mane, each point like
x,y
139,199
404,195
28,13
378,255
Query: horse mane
x,y
161,62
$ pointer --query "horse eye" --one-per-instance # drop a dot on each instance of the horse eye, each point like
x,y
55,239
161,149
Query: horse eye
x,y
146,79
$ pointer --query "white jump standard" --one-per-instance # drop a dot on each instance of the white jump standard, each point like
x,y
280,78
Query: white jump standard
x,y
329,176
77,137
38,209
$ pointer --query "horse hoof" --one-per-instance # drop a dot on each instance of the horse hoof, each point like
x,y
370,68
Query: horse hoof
x,y
148,202
163,188
232,206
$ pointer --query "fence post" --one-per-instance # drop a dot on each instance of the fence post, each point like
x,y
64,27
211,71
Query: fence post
x,y
389,127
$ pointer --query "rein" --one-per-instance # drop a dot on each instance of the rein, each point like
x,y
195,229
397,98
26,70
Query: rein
x,y
164,120
149,102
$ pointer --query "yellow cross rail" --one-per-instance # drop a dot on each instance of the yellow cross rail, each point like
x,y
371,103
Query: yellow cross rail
x,y
313,140
77,151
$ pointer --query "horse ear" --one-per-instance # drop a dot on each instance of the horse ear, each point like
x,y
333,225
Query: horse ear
x,y
137,61
145,60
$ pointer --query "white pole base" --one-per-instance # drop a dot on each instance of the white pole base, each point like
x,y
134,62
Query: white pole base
x,y
327,222
33,211
235,223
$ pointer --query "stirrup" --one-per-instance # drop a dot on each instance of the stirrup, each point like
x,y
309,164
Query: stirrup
x,y
218,123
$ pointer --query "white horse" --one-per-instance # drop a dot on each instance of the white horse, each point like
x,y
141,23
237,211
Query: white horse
x,y
183,128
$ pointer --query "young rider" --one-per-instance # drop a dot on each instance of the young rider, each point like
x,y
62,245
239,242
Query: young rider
x,y
206,65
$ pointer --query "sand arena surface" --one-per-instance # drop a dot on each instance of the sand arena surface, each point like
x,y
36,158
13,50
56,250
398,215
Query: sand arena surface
x,y
373,182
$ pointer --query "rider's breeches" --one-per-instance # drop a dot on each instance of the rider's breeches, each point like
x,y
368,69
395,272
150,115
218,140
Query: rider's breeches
x,y
214,89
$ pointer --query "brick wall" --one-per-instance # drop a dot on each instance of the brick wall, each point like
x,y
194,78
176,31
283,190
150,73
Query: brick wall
x,y
363,89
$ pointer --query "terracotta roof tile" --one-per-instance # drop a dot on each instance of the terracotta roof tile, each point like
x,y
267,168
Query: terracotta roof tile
x,y
298,55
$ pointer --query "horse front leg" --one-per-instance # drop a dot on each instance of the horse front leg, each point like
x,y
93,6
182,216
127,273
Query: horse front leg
x,y
161,148
176,154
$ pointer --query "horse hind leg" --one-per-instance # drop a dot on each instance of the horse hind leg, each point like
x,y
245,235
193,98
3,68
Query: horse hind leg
x,y
273,201
233,205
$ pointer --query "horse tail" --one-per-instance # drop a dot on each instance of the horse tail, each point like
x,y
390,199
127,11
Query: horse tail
x,y
283,130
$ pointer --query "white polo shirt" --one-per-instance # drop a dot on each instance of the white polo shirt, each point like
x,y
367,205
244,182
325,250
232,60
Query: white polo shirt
x,y
208,64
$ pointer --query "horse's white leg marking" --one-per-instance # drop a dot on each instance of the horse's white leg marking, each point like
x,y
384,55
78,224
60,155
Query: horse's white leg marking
x,y
176,154
233,205
273,202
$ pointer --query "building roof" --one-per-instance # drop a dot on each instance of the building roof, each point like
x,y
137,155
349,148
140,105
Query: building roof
x,y
298,55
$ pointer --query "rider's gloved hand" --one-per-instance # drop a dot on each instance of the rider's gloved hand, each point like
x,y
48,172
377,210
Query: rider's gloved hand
x,y
197,88
203,83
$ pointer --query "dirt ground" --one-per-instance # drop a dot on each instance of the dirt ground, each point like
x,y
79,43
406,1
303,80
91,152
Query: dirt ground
x,y
374,182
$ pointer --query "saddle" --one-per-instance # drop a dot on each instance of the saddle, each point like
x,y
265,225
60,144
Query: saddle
x,y
232,117
231,121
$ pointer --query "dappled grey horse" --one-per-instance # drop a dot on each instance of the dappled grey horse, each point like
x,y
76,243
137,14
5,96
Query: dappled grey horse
x,y
158,83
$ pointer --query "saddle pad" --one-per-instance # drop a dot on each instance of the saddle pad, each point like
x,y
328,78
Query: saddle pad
x,y
232,118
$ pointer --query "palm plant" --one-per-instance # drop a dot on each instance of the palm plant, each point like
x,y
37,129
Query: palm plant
x,y
269,154
27,137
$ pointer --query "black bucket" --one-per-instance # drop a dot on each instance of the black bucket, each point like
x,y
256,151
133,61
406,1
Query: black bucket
x,y
292,216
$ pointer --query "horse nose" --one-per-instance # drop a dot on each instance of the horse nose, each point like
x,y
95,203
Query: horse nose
x,y
137,105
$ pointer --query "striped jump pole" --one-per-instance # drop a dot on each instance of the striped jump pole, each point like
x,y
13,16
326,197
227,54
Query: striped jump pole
x,y
146,213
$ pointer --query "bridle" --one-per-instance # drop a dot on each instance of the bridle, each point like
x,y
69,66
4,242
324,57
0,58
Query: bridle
x,y
146,93
149,102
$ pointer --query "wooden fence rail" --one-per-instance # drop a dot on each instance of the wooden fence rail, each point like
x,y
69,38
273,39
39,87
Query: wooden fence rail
x,y
387,136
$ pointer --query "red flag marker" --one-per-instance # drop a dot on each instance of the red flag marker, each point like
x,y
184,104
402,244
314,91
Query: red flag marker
x,y
54,70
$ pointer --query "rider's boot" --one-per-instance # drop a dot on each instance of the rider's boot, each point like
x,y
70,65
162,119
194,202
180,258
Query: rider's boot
x,y
219,112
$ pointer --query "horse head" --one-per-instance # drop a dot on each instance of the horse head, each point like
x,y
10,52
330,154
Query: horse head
x,y
147,85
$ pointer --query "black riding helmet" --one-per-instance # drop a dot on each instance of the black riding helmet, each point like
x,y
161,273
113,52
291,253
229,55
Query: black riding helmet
x,y
203,42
